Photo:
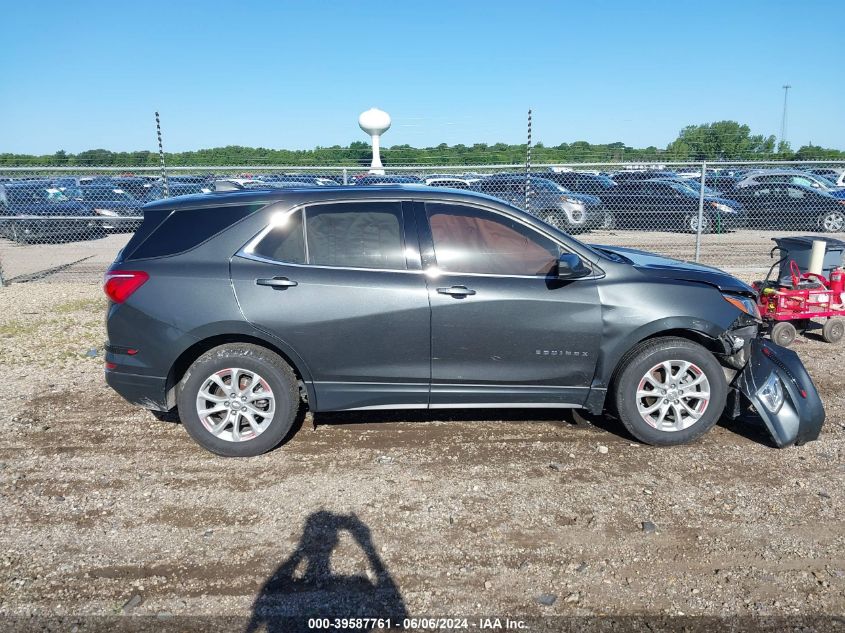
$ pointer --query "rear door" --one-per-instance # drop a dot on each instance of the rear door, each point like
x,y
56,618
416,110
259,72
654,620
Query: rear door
x,y
341,285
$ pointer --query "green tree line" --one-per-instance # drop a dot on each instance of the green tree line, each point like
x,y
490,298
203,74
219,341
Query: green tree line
x,y
722,140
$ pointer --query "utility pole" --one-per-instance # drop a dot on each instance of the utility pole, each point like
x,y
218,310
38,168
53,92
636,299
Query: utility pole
x,y
786,88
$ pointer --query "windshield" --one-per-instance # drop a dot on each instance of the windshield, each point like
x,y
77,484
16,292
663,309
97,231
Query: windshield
x,y
825,182
541,184
683,188
597,181
105,193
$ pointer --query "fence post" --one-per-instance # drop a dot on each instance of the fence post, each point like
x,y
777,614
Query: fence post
x,y
345,177
700,213
2,279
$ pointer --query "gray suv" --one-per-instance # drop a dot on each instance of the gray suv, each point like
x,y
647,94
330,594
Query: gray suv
x,y
237,308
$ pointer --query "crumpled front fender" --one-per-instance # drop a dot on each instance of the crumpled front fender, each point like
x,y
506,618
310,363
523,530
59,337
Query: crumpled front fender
x,y
801,416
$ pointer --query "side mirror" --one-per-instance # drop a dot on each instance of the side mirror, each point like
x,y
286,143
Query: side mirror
x,y
570,266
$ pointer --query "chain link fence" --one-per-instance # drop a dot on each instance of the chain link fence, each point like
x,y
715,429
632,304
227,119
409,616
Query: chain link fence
x,y
68,223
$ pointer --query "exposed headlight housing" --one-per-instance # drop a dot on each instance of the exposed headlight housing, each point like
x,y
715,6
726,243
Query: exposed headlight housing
x,y
571,200
745,304
723,208
771,393
106,212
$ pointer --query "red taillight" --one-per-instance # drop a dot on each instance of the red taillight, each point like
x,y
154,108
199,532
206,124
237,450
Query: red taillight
x,y
111,365
120,284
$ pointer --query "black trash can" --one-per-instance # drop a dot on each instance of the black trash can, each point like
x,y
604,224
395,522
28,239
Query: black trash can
x,y
798,249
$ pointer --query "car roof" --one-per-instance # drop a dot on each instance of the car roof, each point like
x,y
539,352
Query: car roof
x,y
297,195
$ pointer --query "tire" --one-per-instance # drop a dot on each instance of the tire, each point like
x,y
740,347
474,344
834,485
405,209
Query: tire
x,y
558,219
274,378
833,330
832,222
636,374
783,333
18,236
691,223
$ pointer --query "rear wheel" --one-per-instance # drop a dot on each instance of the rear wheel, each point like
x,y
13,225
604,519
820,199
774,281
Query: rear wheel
x,y
17,235
833,330
669,391
238,400
784,333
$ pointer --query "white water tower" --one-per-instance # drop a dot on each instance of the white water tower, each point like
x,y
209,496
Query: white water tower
x,y
375,122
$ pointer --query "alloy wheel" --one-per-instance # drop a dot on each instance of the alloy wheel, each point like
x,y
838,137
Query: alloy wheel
x,y
235,404
833,222
673,395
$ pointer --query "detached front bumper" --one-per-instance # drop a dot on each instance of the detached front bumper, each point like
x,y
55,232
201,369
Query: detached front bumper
x,y
800,415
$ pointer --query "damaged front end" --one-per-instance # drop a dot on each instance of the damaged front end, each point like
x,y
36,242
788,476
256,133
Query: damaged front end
x,y
773,381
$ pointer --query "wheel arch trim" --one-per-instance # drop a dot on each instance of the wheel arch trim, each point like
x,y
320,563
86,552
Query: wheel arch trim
x,y
235,332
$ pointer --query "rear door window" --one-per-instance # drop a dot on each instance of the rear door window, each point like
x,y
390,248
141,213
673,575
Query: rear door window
x,y
356,235
284,240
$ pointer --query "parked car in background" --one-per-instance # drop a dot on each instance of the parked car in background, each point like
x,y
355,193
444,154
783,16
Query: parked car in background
x,y
190,179
387,179
136,186
454,183
831,173
792,177
156,191
120,210
54,216
721,182
581,182
784,206
695,185
642,174
665,205
321,181
570,212
233,309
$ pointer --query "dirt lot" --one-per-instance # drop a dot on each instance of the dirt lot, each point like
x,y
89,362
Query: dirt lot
x,y
107,510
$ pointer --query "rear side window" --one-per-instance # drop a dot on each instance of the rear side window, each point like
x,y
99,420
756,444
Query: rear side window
x,y
179,231
285,241
355,235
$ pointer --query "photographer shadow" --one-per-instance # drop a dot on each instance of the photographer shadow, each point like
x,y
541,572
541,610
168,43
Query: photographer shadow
x,y
304,586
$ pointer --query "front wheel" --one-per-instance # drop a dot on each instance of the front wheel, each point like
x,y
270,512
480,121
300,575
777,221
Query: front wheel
x,y
669,391
832,222
691,224
238,400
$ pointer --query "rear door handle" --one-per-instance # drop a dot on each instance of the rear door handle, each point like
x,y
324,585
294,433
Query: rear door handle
x,y
456,291
277,282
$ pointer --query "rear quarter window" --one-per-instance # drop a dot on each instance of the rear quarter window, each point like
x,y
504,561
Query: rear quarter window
x,y
166,232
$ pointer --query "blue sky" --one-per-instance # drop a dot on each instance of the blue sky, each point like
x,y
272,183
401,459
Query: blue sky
x,y
86,74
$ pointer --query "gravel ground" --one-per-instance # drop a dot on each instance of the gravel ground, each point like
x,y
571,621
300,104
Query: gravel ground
x,y
107,510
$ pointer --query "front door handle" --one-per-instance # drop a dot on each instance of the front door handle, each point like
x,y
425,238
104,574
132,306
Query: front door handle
x,y
277,282
456,291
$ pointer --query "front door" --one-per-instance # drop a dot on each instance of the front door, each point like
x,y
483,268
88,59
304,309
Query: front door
x,y
505,331
340,285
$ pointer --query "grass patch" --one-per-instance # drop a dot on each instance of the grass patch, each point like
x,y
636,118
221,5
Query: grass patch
x,y
81,305
17,328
